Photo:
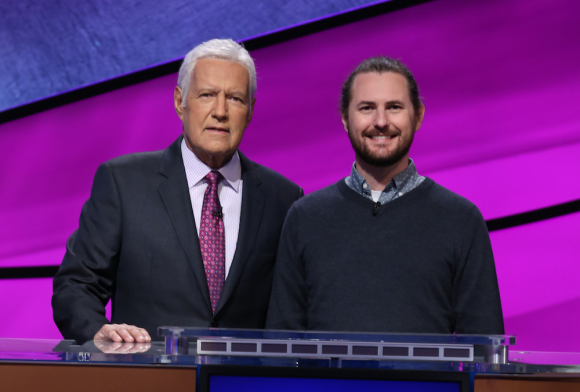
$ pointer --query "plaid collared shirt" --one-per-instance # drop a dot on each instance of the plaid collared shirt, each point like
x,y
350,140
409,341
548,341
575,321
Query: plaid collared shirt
x,y
404,182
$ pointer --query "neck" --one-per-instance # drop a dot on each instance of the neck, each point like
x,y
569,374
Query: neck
x,y
378,177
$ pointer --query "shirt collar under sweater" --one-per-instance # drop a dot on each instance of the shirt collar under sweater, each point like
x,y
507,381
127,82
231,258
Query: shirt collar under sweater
x,y
404,182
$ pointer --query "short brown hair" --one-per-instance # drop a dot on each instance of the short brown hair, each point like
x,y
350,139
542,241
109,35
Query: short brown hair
x,y
379,65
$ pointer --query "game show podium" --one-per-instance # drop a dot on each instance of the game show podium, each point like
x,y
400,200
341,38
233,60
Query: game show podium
x,y
216,360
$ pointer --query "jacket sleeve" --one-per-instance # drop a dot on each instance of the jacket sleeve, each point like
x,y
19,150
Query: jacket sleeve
x,y
288,307
85,280
476,299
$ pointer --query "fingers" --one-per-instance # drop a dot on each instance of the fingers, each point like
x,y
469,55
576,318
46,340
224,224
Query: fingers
x,y
128,333
145,335
113,335
108,333
122,333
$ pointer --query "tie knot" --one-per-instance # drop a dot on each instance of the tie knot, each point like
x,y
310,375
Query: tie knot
x,y
213,177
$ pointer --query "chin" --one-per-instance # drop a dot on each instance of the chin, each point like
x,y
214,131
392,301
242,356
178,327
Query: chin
x,y
382,154
218,147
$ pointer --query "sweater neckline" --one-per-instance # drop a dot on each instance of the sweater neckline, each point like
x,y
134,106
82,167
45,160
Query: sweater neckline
x,y
368,203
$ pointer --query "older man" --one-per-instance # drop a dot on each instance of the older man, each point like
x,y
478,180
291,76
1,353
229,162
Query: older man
x,y
385,249
184,236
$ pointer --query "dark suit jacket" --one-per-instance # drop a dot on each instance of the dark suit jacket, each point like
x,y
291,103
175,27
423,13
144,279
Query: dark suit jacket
x,y
137,244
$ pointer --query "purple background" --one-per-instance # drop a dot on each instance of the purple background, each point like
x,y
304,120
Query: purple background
x,y
501,87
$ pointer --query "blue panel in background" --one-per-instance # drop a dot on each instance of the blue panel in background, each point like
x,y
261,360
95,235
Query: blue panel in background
x,y
48,47
286,384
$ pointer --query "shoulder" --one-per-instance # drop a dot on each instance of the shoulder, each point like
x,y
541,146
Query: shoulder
x,y
136,162
131,171
450,203
320,200
440,194
315,211
268,178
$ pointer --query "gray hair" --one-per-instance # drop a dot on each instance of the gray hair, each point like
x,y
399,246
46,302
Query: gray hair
x,y
222,49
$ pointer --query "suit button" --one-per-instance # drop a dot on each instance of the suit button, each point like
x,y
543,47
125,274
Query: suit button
x,y
214,323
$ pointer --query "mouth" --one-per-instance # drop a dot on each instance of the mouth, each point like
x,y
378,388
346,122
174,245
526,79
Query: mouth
x,y
217,129
381,138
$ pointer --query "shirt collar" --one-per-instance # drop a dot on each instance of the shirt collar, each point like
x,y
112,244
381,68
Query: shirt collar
x,y
196,170
400,181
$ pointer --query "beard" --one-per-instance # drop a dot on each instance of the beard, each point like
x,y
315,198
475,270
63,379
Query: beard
x,y
379,159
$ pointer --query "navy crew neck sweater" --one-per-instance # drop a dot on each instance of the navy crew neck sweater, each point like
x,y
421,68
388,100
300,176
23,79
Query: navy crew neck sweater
x,y
420,264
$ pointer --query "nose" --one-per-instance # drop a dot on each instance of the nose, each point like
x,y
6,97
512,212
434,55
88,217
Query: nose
x,y
381,120
220,109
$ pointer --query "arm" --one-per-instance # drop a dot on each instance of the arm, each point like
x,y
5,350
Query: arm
x,y
288,307
476,299
84,282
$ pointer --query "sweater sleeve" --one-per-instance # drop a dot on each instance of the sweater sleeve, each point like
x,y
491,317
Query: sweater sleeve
x,y
289,304
476,299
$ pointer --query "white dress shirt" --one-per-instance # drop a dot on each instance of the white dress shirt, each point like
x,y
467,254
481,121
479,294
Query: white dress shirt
x,y
229,193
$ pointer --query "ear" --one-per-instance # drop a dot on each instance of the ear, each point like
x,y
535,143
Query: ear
x,y
420,115
344,122
178,101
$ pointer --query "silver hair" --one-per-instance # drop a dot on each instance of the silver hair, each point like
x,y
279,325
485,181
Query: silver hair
x,y
222,49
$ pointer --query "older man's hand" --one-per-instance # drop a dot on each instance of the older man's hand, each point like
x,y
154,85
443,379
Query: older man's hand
x,y
122,333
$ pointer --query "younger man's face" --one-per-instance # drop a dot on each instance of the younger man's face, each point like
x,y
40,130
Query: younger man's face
x,y
381,120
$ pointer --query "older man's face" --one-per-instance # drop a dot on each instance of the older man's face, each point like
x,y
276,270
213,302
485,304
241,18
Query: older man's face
x,y
381,121
217,110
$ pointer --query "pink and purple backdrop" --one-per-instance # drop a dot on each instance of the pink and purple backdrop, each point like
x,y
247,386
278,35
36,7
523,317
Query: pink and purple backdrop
x,y
501,86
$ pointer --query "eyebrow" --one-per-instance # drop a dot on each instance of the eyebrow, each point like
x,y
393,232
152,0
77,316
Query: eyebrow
x,y
237,92
374,103
207,88
216,89
394,102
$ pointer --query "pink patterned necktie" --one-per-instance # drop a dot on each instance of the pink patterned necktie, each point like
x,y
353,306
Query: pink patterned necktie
x,y
211,239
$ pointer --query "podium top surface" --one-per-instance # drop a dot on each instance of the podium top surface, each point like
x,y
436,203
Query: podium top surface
x,y
194,333
67,352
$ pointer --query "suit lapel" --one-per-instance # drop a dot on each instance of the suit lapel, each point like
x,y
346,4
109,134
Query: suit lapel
x,y
251,215
175,195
